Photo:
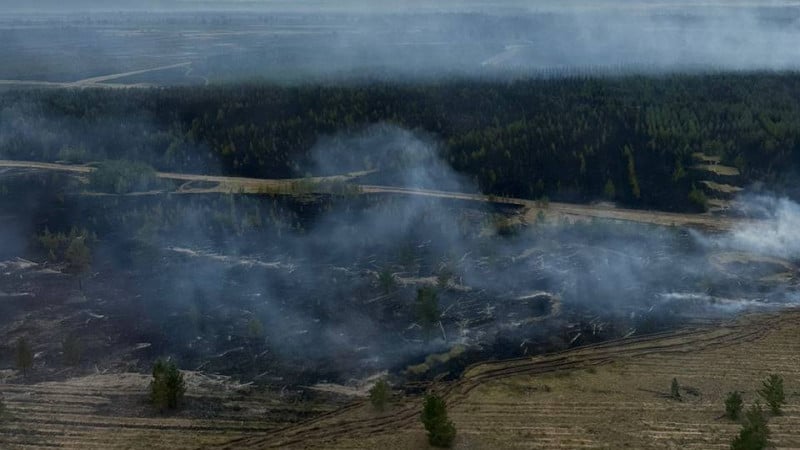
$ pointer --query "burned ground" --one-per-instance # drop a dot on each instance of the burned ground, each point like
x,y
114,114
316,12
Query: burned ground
x,y
304,300
287,291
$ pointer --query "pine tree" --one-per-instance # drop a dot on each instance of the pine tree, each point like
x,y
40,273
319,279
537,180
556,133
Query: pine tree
x,y
772,392
675,389
754,434
168,385
733,405
441,431
379,394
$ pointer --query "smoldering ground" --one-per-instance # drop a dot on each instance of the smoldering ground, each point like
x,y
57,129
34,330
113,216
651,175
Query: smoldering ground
x,y
327,287
775,234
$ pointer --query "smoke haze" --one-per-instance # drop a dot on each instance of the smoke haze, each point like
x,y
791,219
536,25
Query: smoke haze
x,y
202,267
775,234
310,41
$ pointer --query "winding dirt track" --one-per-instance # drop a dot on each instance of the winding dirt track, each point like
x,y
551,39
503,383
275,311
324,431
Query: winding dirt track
x,y
599,396
344,424
94,82
705,221
352,427
532,208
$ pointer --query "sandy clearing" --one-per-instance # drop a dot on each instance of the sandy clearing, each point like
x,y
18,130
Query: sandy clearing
x,y
532,208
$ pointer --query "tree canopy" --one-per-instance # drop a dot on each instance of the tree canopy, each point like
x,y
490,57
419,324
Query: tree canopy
x,y
629,138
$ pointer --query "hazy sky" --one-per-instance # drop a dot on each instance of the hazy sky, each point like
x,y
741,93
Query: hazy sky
x,y
369,5
507,34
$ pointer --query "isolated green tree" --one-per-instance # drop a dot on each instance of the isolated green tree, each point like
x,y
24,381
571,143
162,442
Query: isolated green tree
x,y
72,248
168,385
754,434
51,242
77,255
772,393
675,389
733,405
379,395
441,431
24,356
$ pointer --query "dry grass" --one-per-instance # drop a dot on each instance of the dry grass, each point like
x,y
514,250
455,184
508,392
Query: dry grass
x,y
110,412
718,169
720,188
613,395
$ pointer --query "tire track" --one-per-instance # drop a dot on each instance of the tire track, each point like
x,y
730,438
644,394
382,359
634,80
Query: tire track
x,y
323,429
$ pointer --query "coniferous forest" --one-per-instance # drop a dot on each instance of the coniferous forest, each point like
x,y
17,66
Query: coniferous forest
x,y
629,139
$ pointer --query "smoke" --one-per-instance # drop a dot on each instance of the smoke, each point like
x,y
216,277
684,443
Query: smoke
x,y
399,157
204,266
414,41
614,270
13,233
774,231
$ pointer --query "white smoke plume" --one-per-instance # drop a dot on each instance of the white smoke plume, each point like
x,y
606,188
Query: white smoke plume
x,y
775,231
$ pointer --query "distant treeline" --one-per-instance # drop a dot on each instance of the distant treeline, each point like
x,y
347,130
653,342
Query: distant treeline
x,y
629,139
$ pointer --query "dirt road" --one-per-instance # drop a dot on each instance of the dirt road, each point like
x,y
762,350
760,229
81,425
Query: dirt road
x,y
95,82
531,207
104,78
575,210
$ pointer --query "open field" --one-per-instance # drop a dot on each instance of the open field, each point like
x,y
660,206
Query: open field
x,y
612,395
106,411
532,208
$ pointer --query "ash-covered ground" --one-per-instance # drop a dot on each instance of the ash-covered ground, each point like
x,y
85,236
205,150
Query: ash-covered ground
x,y
302,290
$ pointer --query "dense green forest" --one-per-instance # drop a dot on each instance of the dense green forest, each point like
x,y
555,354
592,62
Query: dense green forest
x,y
629,139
